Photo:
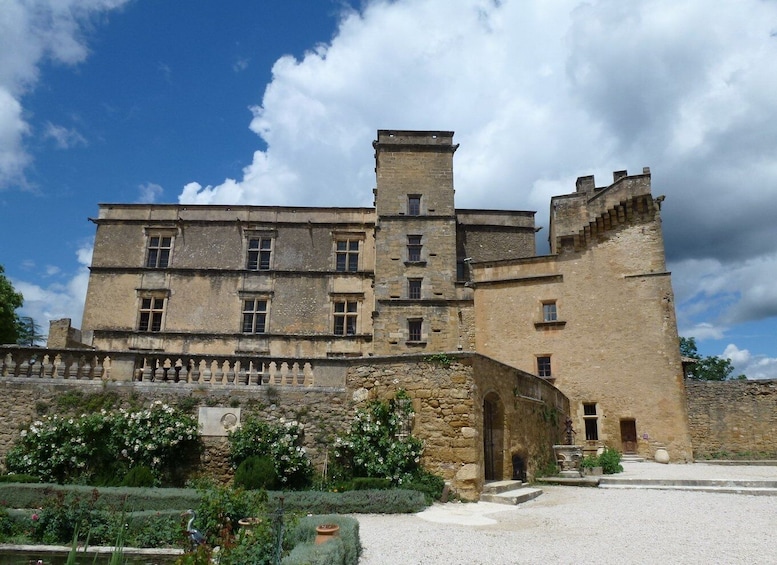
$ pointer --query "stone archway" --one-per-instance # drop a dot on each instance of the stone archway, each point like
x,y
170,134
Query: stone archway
x,y
493,437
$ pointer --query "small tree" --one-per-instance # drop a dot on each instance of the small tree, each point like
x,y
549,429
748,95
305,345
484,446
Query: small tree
x,y
10,300
28,332
710,368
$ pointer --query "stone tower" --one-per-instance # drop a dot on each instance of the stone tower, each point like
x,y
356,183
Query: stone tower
x,y
416,305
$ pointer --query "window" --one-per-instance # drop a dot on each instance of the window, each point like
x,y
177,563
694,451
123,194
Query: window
x,y
413,205
414,248
254,316
158,255
591,422
345,317
549,313
462,270
151,311
414,289
259,254
347,255
543,366
414,330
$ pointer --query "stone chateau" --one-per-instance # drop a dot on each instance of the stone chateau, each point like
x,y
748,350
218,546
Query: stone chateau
x,y
414,274
317,310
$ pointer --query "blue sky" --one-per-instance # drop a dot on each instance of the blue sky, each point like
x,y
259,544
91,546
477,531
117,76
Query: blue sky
x,y
277,102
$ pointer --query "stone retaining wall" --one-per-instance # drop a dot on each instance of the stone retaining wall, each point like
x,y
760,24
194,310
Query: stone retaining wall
x,y
733,417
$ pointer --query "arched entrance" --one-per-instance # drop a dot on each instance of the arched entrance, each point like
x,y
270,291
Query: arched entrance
x,y
493,437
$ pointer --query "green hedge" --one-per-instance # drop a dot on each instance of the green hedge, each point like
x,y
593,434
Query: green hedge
x,y
344,549
396,501
129,499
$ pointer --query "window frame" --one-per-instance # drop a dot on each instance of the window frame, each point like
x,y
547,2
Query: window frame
x,y
151,315
414,248
591,421
345,316
544,367
258,317
350,256
159,253
414,288
413,204
549,311
260,258
415,330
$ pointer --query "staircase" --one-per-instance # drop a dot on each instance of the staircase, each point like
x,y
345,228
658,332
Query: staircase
x,y
508,492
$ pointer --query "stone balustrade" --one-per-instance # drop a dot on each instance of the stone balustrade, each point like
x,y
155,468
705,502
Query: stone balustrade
x,y
143,367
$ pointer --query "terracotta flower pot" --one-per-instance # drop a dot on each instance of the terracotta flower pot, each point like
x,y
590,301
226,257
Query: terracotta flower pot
x,y
325,532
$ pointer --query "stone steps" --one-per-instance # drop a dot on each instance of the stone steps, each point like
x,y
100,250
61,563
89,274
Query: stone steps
x,y
731,486
508,492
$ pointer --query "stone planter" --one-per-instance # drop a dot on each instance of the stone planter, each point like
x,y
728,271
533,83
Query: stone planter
x,y
592,471
568,459
248,524
326,532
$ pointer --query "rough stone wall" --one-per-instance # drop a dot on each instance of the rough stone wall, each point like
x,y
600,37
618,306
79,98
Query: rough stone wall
x,y
738,418
322,410
448,403
615,342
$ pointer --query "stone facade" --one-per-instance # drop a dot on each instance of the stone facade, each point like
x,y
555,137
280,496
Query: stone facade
x,y
596,316
733,418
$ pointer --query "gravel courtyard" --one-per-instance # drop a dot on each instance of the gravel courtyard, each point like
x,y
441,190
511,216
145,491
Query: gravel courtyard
x,y
587,525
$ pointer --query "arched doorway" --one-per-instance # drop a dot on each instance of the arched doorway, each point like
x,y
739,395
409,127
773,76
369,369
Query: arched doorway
x,y
493,437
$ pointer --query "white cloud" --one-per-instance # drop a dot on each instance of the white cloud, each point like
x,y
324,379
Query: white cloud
x,y
753,366
63,137
538,94
31,32
61,299
149,193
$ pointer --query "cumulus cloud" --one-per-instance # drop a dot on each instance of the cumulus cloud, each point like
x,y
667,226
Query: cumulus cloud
x,y
30,33
538,94
62,298
754,366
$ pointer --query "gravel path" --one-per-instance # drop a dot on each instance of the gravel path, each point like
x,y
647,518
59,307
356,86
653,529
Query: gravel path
x,y
588,525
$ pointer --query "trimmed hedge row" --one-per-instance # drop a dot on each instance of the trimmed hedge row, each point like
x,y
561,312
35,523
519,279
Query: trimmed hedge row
x,y
128,499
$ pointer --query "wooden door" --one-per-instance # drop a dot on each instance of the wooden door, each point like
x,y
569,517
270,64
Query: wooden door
x,y
629,436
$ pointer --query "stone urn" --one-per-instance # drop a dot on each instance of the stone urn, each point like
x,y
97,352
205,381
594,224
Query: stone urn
x,y
568,459
248,524
661,455
326,532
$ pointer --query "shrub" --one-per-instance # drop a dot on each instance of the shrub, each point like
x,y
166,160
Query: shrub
x,y
378,445
367,483
394,501
589,462
344,549
430,485
256,473
17,478
103,445
140,476
8,526
610,460
221,507
281,442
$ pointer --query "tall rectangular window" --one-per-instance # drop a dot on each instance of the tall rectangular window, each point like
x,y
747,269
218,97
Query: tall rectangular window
x,y
414,247
151,311
590,417
414,205
345,316
414,289
254,316
543,366
414,330
549,312
158,252
259,254
347,255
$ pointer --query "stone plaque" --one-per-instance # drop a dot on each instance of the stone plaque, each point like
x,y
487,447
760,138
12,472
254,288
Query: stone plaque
x,y
218,421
